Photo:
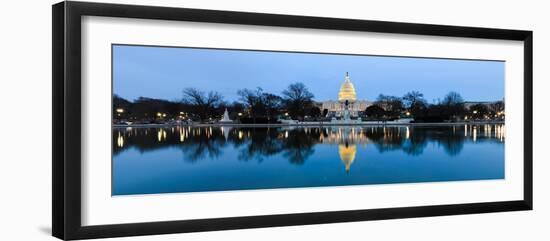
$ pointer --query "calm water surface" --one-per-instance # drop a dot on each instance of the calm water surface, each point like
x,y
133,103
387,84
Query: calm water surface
x,y
194,159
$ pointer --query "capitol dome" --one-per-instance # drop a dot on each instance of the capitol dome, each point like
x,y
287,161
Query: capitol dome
x,y
347,91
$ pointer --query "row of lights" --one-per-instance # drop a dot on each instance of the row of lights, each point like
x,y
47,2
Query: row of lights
x,y
160,114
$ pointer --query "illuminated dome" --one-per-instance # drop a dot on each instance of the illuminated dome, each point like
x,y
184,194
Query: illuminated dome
x,y
347,154
347,91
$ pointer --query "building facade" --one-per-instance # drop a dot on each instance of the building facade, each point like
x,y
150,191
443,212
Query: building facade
x,y
346,96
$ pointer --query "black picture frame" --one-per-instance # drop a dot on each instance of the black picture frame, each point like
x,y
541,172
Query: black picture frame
x,y
66,158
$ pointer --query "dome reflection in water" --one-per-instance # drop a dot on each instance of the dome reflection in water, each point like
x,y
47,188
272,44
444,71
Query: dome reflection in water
x,y
219,158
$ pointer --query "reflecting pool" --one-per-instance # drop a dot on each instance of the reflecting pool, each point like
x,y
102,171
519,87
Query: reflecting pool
x,y
219,158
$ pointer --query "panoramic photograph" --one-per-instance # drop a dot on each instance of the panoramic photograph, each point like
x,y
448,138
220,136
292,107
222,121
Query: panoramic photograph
x,y
202,119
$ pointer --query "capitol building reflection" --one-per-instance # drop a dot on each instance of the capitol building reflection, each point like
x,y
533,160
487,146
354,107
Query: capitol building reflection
x,y
347,139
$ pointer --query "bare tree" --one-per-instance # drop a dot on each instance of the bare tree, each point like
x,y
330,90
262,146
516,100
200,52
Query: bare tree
x,y
415,103
452,105
259,103
452,98
297,99
272,104
203,103
253,100
391,104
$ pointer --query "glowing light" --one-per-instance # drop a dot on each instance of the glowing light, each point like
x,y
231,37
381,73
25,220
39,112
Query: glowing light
x,y
500,132
408,113
120,110
161,135
120,140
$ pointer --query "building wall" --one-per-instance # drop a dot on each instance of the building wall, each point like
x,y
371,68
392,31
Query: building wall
x,y
469,104
336,108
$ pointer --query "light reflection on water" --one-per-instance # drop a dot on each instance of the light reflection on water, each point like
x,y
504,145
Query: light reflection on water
x,y
215,158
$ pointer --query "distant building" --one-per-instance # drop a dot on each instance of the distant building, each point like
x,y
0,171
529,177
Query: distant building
x,y
347,94
469,104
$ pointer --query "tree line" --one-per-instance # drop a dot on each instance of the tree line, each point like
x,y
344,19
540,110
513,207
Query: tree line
x,y
295,102
253,106
451,108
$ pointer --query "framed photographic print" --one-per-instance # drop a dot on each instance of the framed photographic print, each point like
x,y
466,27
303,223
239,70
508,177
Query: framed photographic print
x,y
170,120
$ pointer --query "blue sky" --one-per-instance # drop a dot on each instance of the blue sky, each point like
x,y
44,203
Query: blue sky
x,y
163,72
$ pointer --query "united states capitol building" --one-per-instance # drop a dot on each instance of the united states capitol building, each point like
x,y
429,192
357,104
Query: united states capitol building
x,y
347,97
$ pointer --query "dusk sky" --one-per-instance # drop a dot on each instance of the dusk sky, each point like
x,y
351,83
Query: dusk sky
x,y
163,72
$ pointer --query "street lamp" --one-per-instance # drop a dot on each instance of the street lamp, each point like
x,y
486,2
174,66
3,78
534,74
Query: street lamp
x,y
119,110
240,114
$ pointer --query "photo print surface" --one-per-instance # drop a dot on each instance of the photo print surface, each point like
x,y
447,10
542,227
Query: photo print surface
x,y
202,119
